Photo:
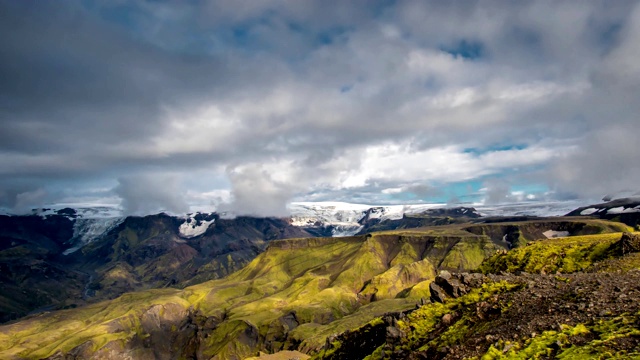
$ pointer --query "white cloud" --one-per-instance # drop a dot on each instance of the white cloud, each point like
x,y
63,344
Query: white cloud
x,y
400,163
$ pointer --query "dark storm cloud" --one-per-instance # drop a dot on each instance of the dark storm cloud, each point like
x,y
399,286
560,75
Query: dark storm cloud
x,y
302,98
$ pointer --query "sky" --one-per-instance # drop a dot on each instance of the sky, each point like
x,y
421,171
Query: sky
x,y
249,105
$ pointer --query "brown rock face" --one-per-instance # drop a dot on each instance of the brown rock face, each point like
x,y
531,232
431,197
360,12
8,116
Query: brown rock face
x,y
447,285
629,243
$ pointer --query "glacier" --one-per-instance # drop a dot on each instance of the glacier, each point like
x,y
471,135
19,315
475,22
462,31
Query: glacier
x,y
88,230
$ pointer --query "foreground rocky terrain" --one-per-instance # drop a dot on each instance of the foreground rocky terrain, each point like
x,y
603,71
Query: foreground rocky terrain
x,y
376,295
590,313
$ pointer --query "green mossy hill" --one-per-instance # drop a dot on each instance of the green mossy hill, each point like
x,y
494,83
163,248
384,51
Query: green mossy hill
x,y
516,234
294,289
148,252
563,255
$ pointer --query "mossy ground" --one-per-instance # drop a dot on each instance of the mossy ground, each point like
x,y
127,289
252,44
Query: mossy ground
x,y
44,335
564,255
604,339
425,333
312,335
281,355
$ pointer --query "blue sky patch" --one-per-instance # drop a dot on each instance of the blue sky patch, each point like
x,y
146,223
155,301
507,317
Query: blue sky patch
x,y
467,49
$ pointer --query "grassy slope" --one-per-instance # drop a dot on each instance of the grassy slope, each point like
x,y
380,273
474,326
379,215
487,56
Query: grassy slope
x,y
320,279
42,336
565,255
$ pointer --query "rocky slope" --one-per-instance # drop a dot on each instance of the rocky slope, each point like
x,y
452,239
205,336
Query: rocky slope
x,y
301,292
33,272
587,307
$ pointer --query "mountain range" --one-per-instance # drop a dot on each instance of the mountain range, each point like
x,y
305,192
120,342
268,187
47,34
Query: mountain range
x,y
209,286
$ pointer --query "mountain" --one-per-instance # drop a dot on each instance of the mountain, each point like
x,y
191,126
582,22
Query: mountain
x,y
32,268
344,219
339,296
64,260
626,210
63,257
96,253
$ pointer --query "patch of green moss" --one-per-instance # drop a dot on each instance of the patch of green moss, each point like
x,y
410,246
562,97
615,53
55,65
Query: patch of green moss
x,y
230,340
388,284
561,345
313,335
623,264
565,255
419,325
407,254
468,254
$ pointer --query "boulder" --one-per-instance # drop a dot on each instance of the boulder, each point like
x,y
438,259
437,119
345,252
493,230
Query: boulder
x,y
473,280
629,243
450,284
437,293
394,333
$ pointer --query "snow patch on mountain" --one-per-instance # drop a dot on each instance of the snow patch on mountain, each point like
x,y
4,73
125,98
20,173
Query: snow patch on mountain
x,y
589,211
326,213
71,211
550,234
623,210
192,227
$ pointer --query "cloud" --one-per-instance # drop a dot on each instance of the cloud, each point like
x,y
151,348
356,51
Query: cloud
x,y
26,201
257,192
496,191
151,193
316,101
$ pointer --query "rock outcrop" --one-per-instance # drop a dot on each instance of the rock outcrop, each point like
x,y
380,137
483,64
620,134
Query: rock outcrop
x,y
447,285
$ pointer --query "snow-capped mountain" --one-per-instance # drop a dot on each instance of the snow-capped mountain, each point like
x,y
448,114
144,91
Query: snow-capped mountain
x,y
328,218
530,208
346,219
626,210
